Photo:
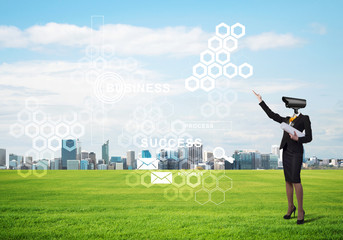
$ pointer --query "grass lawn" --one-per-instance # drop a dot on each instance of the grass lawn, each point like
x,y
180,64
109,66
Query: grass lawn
x,y
100,204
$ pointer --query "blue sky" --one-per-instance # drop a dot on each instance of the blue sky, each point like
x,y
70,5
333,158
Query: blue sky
x,y
294,47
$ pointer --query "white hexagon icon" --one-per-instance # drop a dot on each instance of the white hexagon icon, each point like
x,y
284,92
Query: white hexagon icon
x,y
148,127
24,116
39,143
77,130
70,117
17,130
199,70
192,83
245,70
230,43
92,51
202,196
137,139
217,196
230,96
54,143
207,57
207,110
215,96
230,70
223,110
54,119
68,147
223,56
39,117
178,126
131,126
100,63
47,130
215,70
224,183
45,169
222,30
31,104
207,83
162,126
32,130
238,30
215,43
62,130
190,180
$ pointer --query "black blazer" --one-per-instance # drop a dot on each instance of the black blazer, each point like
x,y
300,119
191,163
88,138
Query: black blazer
x,y
302,122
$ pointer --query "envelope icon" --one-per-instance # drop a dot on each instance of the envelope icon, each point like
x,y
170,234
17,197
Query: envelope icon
x,y
161,177
147,163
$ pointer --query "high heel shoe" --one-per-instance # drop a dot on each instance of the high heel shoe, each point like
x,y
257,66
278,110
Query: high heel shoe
x,y
301,221
289,216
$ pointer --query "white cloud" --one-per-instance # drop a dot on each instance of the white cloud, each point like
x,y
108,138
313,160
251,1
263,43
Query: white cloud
x,y
128,40
270,40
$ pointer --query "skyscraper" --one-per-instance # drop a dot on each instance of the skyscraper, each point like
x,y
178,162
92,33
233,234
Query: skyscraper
x,y
194,155
276,150
68,151
2,157
105,154
92,157
19,159
130,159
146,154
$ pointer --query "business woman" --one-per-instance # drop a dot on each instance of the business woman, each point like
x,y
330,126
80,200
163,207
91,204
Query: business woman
x,y
292,156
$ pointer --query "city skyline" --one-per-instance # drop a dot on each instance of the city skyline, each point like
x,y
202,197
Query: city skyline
x,y
154,58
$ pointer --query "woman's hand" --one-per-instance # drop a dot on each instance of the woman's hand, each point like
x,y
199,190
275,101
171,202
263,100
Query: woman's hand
x,y
294,137
258,96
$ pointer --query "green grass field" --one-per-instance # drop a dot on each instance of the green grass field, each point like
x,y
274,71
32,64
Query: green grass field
x,y
100,204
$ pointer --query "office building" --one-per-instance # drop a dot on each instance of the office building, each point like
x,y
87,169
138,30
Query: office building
x,y
13,164
131,161
273,161
102,166
19,159
68,151
91,166
119,166
208,156
123,159
265,158
84,164
42,164
194,155
2,157
73,164
84,155
116,159
247,159
146,154
105,154
92,158
276,150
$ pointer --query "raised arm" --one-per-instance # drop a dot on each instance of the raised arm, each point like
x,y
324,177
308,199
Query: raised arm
x,y
276,117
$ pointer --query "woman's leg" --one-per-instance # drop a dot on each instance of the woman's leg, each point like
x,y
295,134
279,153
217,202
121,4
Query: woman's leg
x,y
299,192
289,191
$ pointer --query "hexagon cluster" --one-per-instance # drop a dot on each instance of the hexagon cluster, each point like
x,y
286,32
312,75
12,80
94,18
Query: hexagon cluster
x,y
219,103
46,131
215,61
208,187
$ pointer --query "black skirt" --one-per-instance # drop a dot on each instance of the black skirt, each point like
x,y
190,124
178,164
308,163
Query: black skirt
x,y
291,162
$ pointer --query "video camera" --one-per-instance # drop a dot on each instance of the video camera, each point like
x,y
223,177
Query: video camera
x,y
295,103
